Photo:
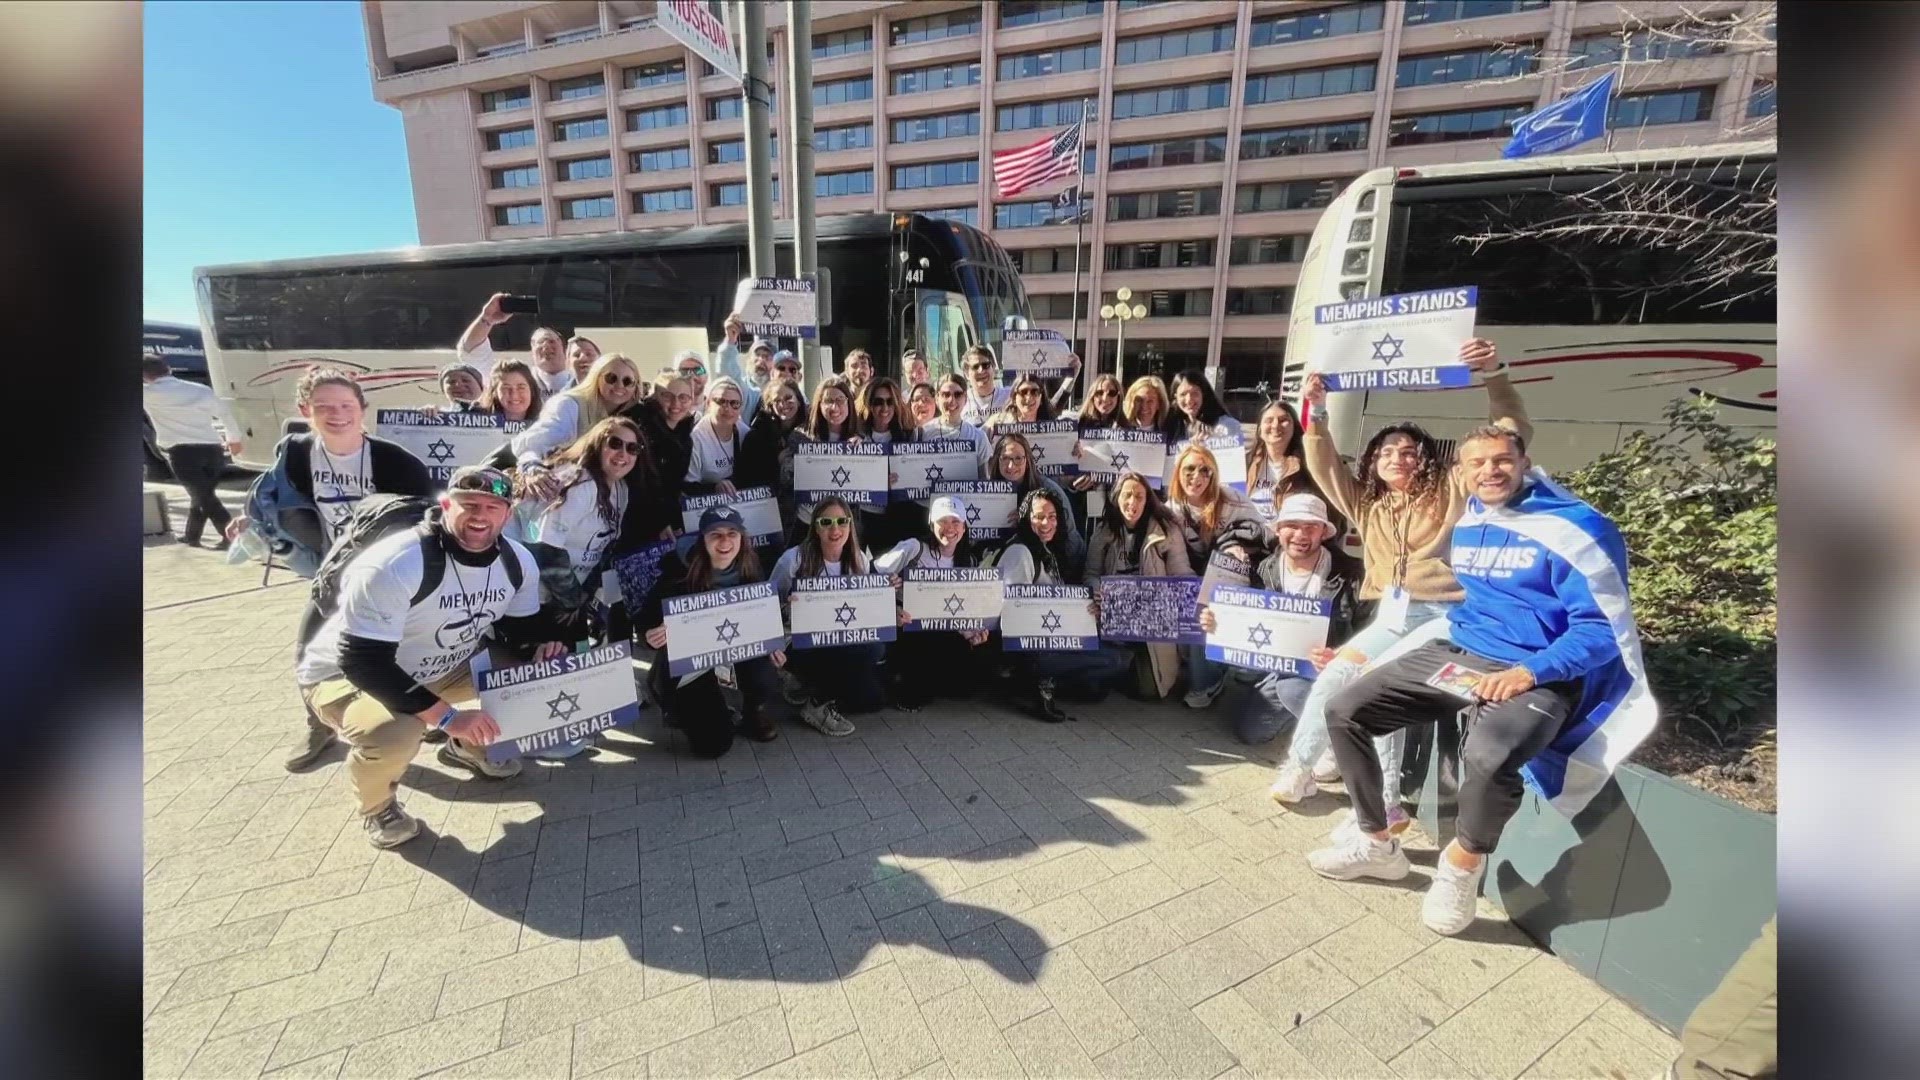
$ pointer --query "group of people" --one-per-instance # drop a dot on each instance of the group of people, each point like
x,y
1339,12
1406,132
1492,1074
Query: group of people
x,y
1483,589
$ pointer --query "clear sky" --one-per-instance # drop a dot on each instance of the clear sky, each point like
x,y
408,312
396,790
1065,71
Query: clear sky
x,y
263,141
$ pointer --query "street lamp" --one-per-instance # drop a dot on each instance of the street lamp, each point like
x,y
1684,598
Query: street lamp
x,y
1120,312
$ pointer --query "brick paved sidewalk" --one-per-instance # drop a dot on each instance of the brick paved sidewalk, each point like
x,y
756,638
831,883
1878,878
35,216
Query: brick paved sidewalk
x,y
963,892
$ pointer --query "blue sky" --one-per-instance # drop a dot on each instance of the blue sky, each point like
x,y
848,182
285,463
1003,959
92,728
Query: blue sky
x,y
263,141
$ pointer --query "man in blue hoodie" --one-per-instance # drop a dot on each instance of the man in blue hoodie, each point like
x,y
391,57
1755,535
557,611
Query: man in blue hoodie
x,y
1542,653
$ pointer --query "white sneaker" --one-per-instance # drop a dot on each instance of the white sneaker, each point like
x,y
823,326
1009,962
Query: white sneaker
x,y
1397,822
1203,697
1449,906
1362,857
821,716
1326,770
1293,784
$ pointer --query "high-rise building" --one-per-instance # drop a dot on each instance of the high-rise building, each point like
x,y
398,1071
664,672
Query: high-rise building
x,y
1217,129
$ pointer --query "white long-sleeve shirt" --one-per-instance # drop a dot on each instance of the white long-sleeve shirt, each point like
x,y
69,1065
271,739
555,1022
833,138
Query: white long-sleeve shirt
x,y
558,426
185,412
482,358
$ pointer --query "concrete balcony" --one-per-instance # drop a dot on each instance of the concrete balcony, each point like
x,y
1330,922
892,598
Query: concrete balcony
x,y
1462,34
1300,166
1166,177
1156,230
1320,110
1173,16
1317,52
1170,125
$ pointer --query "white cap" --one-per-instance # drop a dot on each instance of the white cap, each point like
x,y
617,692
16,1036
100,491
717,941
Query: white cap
x,y
947,506
1303,507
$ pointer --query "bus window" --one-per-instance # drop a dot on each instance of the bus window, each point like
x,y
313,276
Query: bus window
x,y
945,327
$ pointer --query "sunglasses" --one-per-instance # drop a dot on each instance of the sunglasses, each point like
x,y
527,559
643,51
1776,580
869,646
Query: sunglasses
x,y
612,379
1026,391
487,483
786,369
728,403
980,366
697,369
883,403
831,522
1196,470
952,393
623,445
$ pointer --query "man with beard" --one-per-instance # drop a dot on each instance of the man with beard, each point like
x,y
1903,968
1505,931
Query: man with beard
x,y
547,351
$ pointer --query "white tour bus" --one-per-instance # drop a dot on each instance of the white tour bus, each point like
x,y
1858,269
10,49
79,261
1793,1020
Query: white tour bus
x,y
1597,341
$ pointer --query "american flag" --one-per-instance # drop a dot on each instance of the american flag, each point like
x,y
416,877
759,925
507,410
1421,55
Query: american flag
x,y
1016,170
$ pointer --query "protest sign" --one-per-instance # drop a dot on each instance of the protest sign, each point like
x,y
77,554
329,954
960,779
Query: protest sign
x,y
1107,452
856,472
848,610
1224,568
1231,454
966,598
991,505
779,307
639,571
541,705
1052,617
1041,353
920,465
1407,341
1267,631
1052,442
445,441
724,626
759,511
1163,609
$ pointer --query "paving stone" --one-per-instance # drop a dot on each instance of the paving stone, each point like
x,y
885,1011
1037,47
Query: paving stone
x,y
970,1041
171,1037
321,1067
1202,911
785,915
1425,1061
1185,1044
202,946
561,1005
674,952
1200,969
1047,1050
1335,1051
998,977
845,1058
239,1054
1458,970
1390,1013
851,932
471,987
548,1055
331,984
1089,1011
1282,929
920,951
255,968
639,1029
810,993
322,1031
430,958
1050,925
896,1036
1510,1026
1135,1059
740,977
1249,1036
428,1046
1295,989
1598,1049
1368,948
1122,946
1132,892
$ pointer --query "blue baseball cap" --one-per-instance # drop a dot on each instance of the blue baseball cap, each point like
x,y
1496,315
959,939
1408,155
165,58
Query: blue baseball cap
x,y
722,517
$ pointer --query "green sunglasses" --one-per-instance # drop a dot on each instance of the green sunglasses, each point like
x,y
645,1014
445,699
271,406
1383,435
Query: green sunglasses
x,y
831,522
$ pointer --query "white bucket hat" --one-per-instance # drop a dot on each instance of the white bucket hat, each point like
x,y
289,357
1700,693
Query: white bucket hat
x,y
1303,507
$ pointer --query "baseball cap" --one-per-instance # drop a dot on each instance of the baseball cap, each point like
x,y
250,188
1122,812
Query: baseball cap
x,y
784,356
1303,507
760,343
481,480
722,517
946,506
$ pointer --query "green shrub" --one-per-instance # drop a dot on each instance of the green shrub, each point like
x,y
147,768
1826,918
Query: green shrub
x,y
1697,505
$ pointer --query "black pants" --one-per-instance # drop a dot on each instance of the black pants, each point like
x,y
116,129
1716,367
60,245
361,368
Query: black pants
x,y
847,675
198,467
934,663
1499,738
700,707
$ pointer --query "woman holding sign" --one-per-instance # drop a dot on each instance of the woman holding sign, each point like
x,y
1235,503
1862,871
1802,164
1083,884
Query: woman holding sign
x,y
830,419
1201,414
1037,554
512,393
951,393
826,682
1205,508
1136,535
666,419
881,418
716,440
925,660
922,405
613,383
1013,462
764,458
1405,503
694,703
1026,404
1145,408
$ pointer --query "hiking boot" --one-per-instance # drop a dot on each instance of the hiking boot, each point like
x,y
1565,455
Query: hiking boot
x,y
319,737
1043,705
792,690
1293,784
453,752
391,827
1361,857
824,718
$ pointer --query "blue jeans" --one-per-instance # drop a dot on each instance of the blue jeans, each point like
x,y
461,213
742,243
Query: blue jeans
x,y
1310,739
1202,673
1274,705
1095,669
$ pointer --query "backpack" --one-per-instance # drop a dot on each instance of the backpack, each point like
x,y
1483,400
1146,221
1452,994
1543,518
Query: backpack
x,y
272,495
375,518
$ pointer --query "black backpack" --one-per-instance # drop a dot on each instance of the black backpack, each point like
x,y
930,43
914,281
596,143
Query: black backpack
x,y
375,518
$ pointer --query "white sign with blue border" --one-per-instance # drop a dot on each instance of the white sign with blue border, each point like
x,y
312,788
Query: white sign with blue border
x,y
920,465
1052,442
544,704
961,598
1048,617
854,609
1107,452
724,626
1407,341
1267,631
445,441
991,505
779,307
758,508
1041,353
856,472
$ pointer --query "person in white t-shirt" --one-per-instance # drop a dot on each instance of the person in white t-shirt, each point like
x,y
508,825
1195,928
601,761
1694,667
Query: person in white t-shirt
x,y
716,439
392,661
985,395
613,383
547,349
825,683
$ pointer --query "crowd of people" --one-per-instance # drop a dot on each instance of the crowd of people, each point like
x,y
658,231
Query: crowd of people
x,y
1473,565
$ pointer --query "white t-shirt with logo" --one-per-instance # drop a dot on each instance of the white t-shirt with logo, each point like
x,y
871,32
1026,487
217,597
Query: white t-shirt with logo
x,y
712,459
339,483
436,635
574,524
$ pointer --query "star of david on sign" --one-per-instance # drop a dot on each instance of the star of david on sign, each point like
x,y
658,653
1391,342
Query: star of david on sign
x,y
954,604
563,707
844,614
1050,621
1389,348
841,476
439,451
1120,459
973,515
771,309
1039,358
1039,453
1259,635
727,631
936,473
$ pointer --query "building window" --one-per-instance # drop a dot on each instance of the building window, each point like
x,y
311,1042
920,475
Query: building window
x,y
842,91
827,185
663,160
593,168
1048,260
1052,306
524,214
594,127
1765,99
600,206
1285,195
1326,22
1433,69
1438,11
935,27
526,176
843,43
1247,362
1026,215
1177,303
1197,150
510,138
1173,45
1267,300
735,193
965,215
1306,139
1038,114
1663,107
937,77
564,36
1168,254
1264,250
936,174
731,150
660,116
577,88
1181,202
505,48
848,137
1310,83
939,126
1667,43
669,201
1162,100
730,107
514,97
1129,5
1034,12
1051,62
1454,126
665,73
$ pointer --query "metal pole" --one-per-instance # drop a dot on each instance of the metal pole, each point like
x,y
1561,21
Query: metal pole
x,y
1120,351
756,90
800,133
1079,232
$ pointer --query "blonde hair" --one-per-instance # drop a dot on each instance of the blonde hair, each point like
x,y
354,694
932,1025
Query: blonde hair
x,y
587,394
1130,408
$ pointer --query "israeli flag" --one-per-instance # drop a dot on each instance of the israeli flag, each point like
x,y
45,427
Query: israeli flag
x,y
1577,118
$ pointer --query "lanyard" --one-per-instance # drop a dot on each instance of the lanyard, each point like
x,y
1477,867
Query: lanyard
x,y
1400,526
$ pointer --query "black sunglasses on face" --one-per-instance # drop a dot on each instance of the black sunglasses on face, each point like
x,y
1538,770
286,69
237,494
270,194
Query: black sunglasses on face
x,y
622,444
883,403
612,379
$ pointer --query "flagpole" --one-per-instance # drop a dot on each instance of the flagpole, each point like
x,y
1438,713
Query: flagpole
x,y
1619,80
1079,232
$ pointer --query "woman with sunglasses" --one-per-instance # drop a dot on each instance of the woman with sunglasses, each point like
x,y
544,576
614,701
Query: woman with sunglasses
x,y
1036,553
950,393
827,683
716,440
765,460
612,385
1026,404
1137,535
924,661
1199,415
1013,462
1206,509
880,417
1101,410
665,419
829,419
922,404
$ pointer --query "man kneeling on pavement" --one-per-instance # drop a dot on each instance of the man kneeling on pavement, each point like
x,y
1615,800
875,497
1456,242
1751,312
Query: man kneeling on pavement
x,y
391,663
1542,656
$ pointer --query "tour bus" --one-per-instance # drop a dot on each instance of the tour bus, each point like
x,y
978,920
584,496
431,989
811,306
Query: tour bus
x,y
1598,337
179,345
895,281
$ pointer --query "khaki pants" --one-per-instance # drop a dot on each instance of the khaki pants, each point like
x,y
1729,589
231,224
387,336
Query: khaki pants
x,y
1734,1033
381,745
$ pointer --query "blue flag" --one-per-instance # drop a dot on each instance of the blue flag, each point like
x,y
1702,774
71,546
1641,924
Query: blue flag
x,y
1570,121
